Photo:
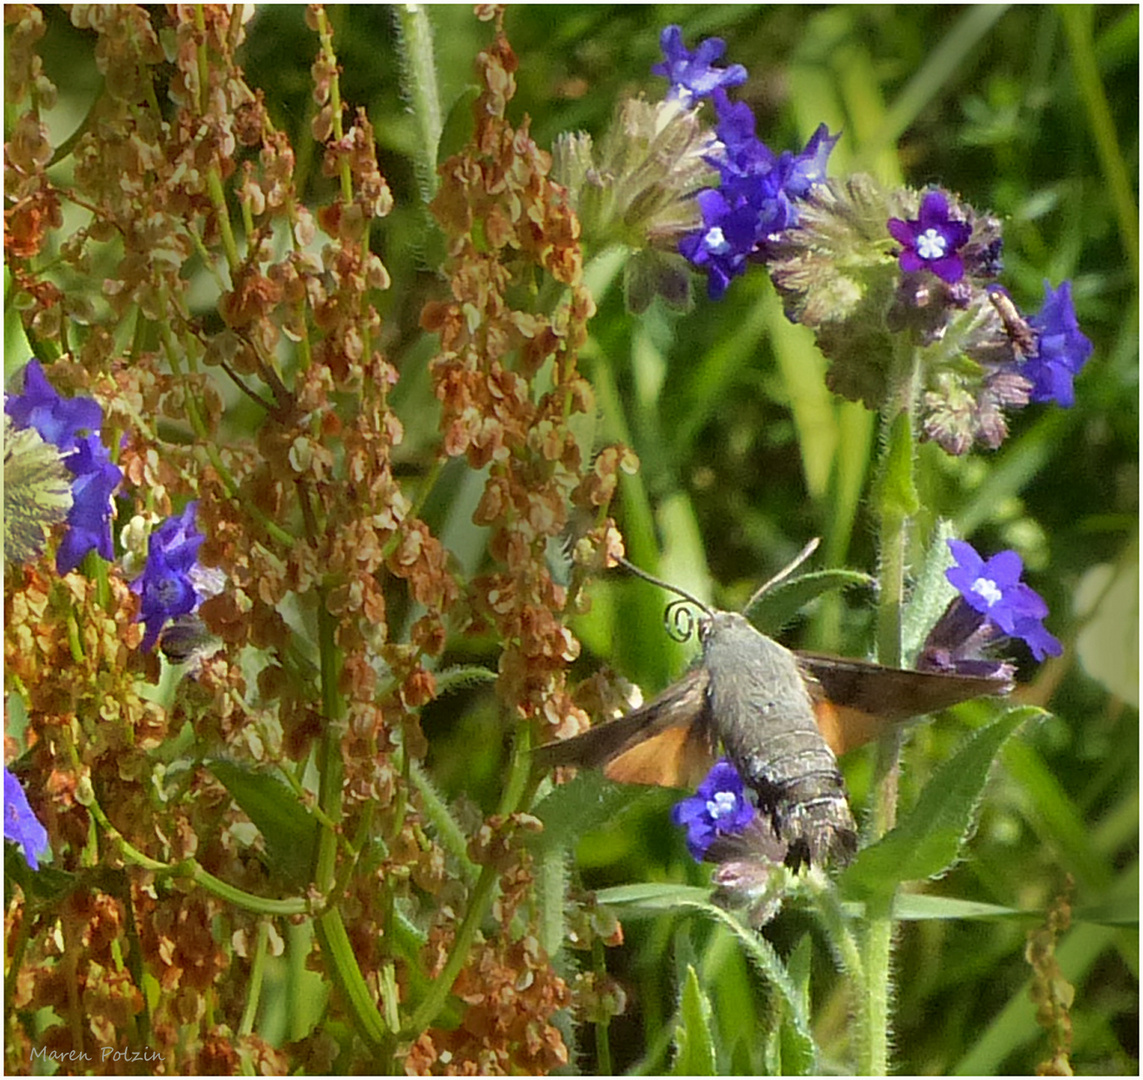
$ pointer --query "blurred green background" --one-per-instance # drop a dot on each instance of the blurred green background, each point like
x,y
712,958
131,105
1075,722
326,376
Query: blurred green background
x,y
1028,111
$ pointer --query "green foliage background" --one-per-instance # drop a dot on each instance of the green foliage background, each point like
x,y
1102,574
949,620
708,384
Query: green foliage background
x,y
1030,111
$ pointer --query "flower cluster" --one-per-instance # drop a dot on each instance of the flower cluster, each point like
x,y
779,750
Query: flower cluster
x,y
1045,350
992,604
758,190
72,426
826,244
21,825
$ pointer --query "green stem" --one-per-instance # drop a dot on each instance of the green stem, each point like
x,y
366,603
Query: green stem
x,y
325,34
202,58
254,989
329,759
478,904
896,503
603,1023
218,200
189,868
346,975
332,937
830,914
419,84
16,950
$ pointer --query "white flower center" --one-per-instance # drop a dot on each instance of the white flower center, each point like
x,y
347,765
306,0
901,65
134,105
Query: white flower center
x,y
715,242
987,588
931,244
722,805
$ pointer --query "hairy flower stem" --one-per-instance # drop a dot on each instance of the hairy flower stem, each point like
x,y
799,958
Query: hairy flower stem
x,y
419,87
896,502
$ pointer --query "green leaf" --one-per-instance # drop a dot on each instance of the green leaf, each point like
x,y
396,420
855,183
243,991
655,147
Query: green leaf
x,y
778,606
928,839
789,1039
694,1043
799,1052
459,125
920,907
463,677
37,492
652,897
288,829
436,810
931,590
552,880
588,802
46,885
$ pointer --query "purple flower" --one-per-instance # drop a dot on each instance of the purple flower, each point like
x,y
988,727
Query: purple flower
x,y
20,824
725,242
749,169
89,520
60,421
756,197
167,582
1063,347
933,240
993,590
719,807
692,75
799,172
72,425
743,153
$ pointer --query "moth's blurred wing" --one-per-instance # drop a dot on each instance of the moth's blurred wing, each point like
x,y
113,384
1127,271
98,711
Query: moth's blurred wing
x,y
856,701
667,742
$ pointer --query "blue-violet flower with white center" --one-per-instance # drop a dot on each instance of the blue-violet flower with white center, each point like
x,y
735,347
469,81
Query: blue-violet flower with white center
x,y
719,807
933,240
992,588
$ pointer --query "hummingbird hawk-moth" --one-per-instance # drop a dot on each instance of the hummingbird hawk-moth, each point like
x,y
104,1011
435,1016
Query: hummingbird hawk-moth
x,y
781,717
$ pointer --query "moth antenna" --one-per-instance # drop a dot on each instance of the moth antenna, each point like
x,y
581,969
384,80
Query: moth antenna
x,y
679,620
663,585
781,575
